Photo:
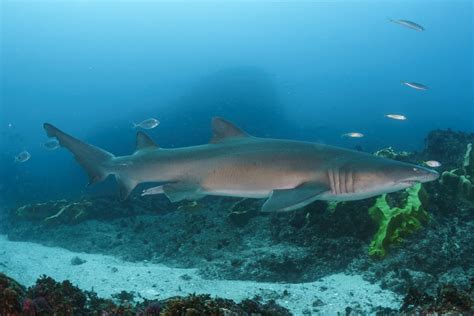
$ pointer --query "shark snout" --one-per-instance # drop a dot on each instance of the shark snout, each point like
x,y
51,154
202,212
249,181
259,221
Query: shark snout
x,y
421,175
428,175
432,175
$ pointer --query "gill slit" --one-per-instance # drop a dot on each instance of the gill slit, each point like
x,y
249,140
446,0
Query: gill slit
x,y
350,182
330,180
336,181
342,181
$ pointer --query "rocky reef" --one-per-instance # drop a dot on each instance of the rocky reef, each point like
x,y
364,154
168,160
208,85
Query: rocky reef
x,y
449,300
231,239
49,297
447,146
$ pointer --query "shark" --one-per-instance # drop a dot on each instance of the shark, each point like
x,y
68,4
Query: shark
x,y
289,174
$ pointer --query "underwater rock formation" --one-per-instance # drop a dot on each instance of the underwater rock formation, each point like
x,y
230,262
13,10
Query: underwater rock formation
x,y
395,223
447,146
460,180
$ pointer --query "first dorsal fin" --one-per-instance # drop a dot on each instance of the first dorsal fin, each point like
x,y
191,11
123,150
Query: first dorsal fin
x,y
145,142
223,130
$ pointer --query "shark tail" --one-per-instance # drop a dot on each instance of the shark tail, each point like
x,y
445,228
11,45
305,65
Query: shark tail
x,y
95,161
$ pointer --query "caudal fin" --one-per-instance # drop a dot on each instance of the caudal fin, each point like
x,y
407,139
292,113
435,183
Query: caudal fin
x,y
93,159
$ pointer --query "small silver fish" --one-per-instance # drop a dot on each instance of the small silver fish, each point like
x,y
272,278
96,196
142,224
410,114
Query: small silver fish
x,y
51,144
147,124
409,24
353,135
433,163
415,85
22,157
396,117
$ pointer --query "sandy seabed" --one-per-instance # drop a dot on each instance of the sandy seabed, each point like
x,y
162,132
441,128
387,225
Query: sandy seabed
x,y
106,275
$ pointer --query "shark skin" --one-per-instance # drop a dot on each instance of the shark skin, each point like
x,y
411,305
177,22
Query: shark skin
x,y
289,174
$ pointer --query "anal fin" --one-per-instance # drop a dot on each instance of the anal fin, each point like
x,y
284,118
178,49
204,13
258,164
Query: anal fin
x,y
153,190
290,199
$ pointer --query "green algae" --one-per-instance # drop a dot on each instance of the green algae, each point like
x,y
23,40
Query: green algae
x,y
395,223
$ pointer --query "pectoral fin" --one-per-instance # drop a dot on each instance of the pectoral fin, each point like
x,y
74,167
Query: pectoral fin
x,y
182,191
287,200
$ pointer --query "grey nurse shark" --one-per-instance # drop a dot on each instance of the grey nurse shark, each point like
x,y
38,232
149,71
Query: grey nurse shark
x,y
289,174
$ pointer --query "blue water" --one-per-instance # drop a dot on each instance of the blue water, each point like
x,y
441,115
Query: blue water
x,y
302,70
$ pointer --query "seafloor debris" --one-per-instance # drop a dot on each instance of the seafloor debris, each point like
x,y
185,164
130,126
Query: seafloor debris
x,y
395,223
460,180
49,297
449,300
76,261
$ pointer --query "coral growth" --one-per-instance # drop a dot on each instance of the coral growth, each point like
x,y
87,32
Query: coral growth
x,y
49,297
11,296
205,305
390,153
395,223
60,298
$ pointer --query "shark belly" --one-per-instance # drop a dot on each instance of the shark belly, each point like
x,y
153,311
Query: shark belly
x,y
249,177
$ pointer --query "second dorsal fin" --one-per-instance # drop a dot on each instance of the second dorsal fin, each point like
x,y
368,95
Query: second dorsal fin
x,y
223,130
145,142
